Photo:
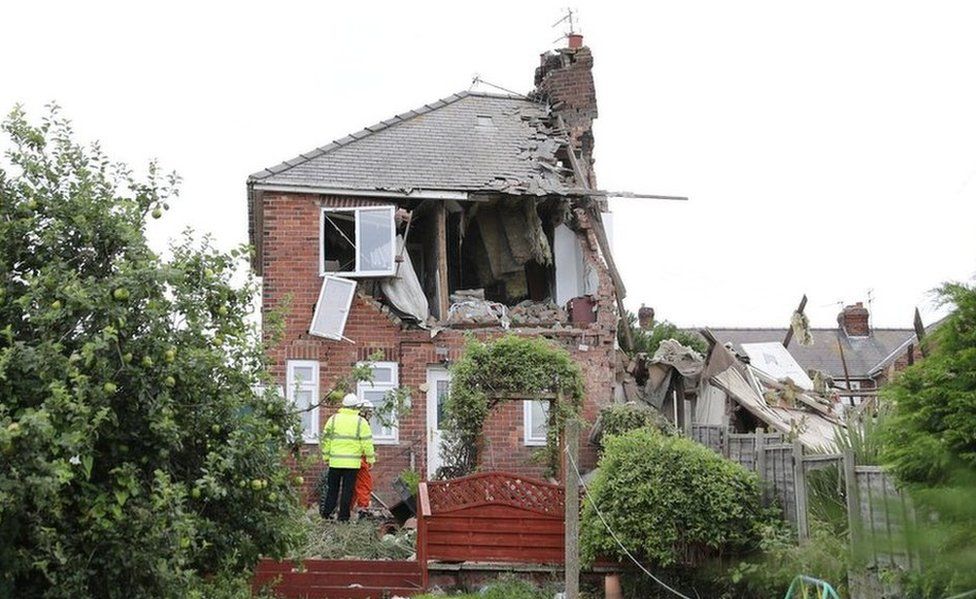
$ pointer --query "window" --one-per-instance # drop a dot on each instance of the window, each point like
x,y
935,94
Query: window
x,y
332,309
384,381
536,422
357,242
302,391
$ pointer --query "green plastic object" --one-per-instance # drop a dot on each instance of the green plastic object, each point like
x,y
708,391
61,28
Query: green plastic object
x,y
802,583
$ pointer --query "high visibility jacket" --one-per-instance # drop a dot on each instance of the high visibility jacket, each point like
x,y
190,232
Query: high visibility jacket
x,y
347,440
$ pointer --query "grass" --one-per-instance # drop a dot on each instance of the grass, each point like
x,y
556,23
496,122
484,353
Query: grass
x,y
356,539
505,589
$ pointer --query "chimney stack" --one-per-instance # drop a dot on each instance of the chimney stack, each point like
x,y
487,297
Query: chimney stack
x,y
854,320
564,80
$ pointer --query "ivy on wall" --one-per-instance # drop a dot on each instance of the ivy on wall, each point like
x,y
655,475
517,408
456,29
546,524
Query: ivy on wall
x,y
505,369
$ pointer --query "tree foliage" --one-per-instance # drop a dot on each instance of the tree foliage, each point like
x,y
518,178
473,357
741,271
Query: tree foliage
x,y
929,441
519,366
648,341
670,501
138,458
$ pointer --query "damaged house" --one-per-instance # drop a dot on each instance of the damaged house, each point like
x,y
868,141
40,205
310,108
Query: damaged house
x,y
476,214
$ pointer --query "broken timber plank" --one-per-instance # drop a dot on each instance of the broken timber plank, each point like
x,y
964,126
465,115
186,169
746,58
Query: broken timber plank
x,y
789,329
440,218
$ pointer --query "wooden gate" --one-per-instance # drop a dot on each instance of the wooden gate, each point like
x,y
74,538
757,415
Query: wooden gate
x,y
491,517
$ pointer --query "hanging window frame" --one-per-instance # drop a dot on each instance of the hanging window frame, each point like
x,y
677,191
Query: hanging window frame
x,y
342,307
358,272
393,438
312,385
529,438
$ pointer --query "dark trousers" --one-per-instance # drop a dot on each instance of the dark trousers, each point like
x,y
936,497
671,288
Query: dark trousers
x,y
346,479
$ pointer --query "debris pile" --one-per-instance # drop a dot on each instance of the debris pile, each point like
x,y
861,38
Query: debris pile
x,y
529,313
367,538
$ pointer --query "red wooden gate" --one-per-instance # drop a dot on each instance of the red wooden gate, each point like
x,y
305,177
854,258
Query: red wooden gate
x,y
491,517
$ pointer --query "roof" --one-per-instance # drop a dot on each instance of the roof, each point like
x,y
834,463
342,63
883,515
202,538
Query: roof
x,y
863,354
467,142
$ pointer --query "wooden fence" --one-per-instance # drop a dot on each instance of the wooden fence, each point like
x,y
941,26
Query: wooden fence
x,y
491,517
339,579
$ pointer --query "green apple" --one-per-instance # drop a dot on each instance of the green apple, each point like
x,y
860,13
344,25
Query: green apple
x,y
110,388
170,381
170,355
56,304
147,361
121,294
157,213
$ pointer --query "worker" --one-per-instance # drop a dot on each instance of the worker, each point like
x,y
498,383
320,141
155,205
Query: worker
x,y
347,443
364,480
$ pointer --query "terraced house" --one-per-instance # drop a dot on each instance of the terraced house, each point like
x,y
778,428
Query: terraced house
x,y
476,214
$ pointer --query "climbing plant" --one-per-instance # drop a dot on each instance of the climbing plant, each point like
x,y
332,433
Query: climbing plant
x,y
511,366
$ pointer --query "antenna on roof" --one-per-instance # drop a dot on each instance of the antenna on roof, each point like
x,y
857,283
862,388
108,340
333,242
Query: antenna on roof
x,y
570,21
870,310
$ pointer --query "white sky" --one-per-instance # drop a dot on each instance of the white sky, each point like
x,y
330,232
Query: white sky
x,y
828,148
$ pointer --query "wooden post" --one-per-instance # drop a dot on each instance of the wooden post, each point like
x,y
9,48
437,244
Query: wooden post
x,y
847,376
853,499
800,491
920,333
572,508
761,463
686,424
440,220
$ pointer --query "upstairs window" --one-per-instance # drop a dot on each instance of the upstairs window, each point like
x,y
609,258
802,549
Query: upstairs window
x,y
357,242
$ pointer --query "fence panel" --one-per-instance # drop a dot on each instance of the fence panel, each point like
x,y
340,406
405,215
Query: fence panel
x,y
885,515
778,478
709,435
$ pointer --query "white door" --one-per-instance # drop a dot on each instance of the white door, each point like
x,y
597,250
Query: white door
x,y
438,383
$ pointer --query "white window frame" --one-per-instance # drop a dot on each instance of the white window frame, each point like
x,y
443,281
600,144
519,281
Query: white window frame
x,y
529,440
320,305
358,272
363,386
290,365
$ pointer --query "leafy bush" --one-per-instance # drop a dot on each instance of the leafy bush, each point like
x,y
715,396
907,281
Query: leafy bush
x,y
648,341
137,458
617,419
670,501
825,555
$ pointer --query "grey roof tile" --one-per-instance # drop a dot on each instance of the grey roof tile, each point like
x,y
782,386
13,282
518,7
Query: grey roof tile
x,y
439,147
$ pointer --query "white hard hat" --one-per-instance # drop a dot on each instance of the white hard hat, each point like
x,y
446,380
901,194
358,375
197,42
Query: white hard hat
x,y
350,400
366,405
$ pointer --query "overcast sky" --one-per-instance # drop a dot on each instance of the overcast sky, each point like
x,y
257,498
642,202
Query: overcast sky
x,y
828,148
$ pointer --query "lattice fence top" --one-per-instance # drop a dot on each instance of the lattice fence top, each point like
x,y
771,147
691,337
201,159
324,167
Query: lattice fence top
x,y
496,488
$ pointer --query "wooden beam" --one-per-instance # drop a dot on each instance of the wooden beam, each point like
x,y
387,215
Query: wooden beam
x,y
789,329
843,361
920,333
440,220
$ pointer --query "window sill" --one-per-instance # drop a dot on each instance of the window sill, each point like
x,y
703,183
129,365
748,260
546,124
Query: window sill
x,y
385,441
535,443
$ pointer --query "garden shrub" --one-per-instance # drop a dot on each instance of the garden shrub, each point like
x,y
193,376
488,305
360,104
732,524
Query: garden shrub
x,y
670,501
617,419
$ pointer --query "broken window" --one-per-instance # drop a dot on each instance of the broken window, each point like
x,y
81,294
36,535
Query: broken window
x,y
332,309
358,241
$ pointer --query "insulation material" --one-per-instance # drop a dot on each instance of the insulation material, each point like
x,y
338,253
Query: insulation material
x,y
404,291
500,257
685,360
475,311
801,328
512,235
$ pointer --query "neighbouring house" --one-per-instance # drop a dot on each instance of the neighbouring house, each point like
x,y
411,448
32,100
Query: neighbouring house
x,y
474,215
872,354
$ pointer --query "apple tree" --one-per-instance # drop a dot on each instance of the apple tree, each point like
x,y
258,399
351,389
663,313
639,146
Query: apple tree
x,y
138,456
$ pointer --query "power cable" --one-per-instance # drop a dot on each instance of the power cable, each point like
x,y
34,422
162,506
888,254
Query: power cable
x,y
586,491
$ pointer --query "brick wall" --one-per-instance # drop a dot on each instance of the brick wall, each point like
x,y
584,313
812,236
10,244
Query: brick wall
x,y
291,271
